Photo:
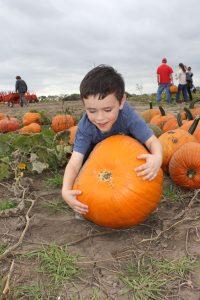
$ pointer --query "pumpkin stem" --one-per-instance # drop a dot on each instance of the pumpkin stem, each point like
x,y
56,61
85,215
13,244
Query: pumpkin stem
x,y
162,111
188,114
105,176
179,120
193,127
150,104
191,173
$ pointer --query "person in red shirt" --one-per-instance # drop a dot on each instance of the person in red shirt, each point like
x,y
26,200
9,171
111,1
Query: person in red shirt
x,y
165,79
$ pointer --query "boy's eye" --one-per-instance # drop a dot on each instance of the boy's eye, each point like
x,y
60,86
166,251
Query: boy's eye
x,y
108,110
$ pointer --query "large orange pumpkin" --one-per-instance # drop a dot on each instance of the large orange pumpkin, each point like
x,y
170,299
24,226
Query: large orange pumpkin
x,y
184,166
62,122
115,195
171,141
9,124
31,117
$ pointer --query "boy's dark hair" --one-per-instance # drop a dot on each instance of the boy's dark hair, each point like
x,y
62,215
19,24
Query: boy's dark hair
x,y
18,77
102,80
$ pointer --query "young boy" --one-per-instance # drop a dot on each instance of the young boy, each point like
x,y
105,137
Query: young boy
x,y
107,113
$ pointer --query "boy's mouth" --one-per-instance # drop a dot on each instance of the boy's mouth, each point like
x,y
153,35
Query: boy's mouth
x,y
101,125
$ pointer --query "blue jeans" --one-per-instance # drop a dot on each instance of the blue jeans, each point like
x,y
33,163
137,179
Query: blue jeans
x,y
22,99
183,88
161,88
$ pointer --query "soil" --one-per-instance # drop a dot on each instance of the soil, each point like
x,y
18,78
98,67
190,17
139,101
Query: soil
x,y
171,232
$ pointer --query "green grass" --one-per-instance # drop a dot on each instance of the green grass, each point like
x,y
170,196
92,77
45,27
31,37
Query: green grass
x,y
152,279
55,206
179,268
56,262
55,181
143,285
2,248
33,291
172,193
7,204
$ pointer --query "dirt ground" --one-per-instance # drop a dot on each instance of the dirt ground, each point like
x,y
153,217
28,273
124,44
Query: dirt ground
x,y
171,233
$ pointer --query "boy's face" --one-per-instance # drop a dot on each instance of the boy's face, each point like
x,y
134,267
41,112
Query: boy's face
x,y
103,113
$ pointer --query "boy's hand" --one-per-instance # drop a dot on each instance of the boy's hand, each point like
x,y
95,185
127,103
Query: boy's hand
x,y
70,197
149,169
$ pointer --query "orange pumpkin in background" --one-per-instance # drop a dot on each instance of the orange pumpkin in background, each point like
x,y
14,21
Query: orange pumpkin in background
x,y
31,117
62,122
115,195
161,119
9,124
173,89
72,134
171,141
148,114
31,128
184,167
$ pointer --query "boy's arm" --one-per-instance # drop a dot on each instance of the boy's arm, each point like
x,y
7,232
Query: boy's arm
x,y
72,169
153,163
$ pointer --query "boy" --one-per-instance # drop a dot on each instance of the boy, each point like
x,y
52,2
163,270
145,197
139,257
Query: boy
x,y
107,113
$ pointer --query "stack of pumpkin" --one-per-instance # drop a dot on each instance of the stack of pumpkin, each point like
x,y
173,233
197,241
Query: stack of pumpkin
x,y
181,143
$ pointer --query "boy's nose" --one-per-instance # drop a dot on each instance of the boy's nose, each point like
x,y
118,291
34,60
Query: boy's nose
x,y
100,116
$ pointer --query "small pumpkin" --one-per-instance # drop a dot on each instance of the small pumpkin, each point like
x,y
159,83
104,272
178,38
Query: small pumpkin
x,y
62,122
31,128
160,120
170,124
9,124
173,89
115,195
148,114
31,117
184,166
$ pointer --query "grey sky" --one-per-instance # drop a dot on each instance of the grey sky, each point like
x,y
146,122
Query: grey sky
x,y
53,44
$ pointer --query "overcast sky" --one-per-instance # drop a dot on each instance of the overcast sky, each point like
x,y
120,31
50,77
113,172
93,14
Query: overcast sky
x,y
52,44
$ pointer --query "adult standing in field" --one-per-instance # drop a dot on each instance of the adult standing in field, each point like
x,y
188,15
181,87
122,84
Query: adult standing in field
x,y
21,88
182,85
164,79
189,80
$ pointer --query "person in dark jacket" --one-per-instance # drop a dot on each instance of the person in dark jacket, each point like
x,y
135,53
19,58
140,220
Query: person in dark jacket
x,y
190,85
21,88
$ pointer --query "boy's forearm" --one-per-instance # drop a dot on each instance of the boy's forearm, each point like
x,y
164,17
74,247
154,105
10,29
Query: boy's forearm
x,y
154,146
69,177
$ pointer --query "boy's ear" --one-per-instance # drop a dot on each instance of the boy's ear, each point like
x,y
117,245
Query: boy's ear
x,y
122,101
